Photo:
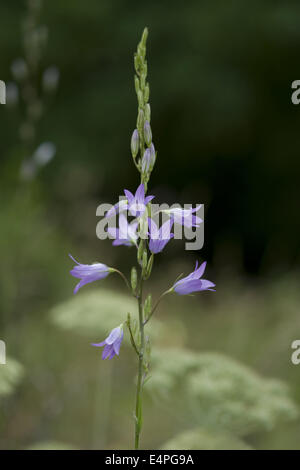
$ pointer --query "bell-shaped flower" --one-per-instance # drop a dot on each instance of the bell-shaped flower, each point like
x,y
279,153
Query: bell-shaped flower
x,y
193,283
134,203
126,234
185,217
159,237
112,343
137,203
89,273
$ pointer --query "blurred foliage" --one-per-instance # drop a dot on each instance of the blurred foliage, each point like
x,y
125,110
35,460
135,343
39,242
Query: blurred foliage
x,y
51,445
218,392
98,311
11,375
202,439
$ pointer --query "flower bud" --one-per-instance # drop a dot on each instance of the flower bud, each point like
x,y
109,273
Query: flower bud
x,y
147,112
140,251
135,143
152,156
146,161
146,93
149,266
141,50
137,62
140,119
133,279
144,36
147,133
144,263
136,84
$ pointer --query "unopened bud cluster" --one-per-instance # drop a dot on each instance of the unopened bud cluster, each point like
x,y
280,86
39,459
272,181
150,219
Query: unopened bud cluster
x,y
141,140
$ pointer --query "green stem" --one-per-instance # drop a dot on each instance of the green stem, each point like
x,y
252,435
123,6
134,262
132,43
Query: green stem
x,y
132,337
156,305
122,276
138,407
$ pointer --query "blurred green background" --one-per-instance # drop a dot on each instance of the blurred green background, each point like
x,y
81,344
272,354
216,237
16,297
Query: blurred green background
x,y
227,135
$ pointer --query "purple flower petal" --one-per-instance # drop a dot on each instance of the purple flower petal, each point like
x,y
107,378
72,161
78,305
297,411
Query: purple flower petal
x,y
192,282
88,273
112,343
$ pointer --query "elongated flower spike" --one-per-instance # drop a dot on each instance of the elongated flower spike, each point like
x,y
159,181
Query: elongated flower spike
x,y
126,234
89,272
159,237
192,282
112,343
147,237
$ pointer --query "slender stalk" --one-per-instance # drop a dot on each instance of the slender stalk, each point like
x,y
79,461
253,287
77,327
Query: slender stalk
x,y
132,338
138,407
156,305
122,276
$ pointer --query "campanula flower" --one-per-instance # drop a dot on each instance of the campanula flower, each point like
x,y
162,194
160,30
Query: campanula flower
x,y
119,207
185,217
135,204
158,238
112,343
89,273
192,282
126,234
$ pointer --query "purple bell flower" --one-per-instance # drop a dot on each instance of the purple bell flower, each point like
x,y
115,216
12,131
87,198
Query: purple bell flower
x,y
112,343
126,234
89,273
158,238
137,203
185,217
193,283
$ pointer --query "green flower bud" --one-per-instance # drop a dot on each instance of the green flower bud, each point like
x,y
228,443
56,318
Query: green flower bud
x,y
136,84
144,37
149,266
137,62
140,119
146,93
141,50
133,279
147,133
145,261
140,97
135,143
147,112
140,251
